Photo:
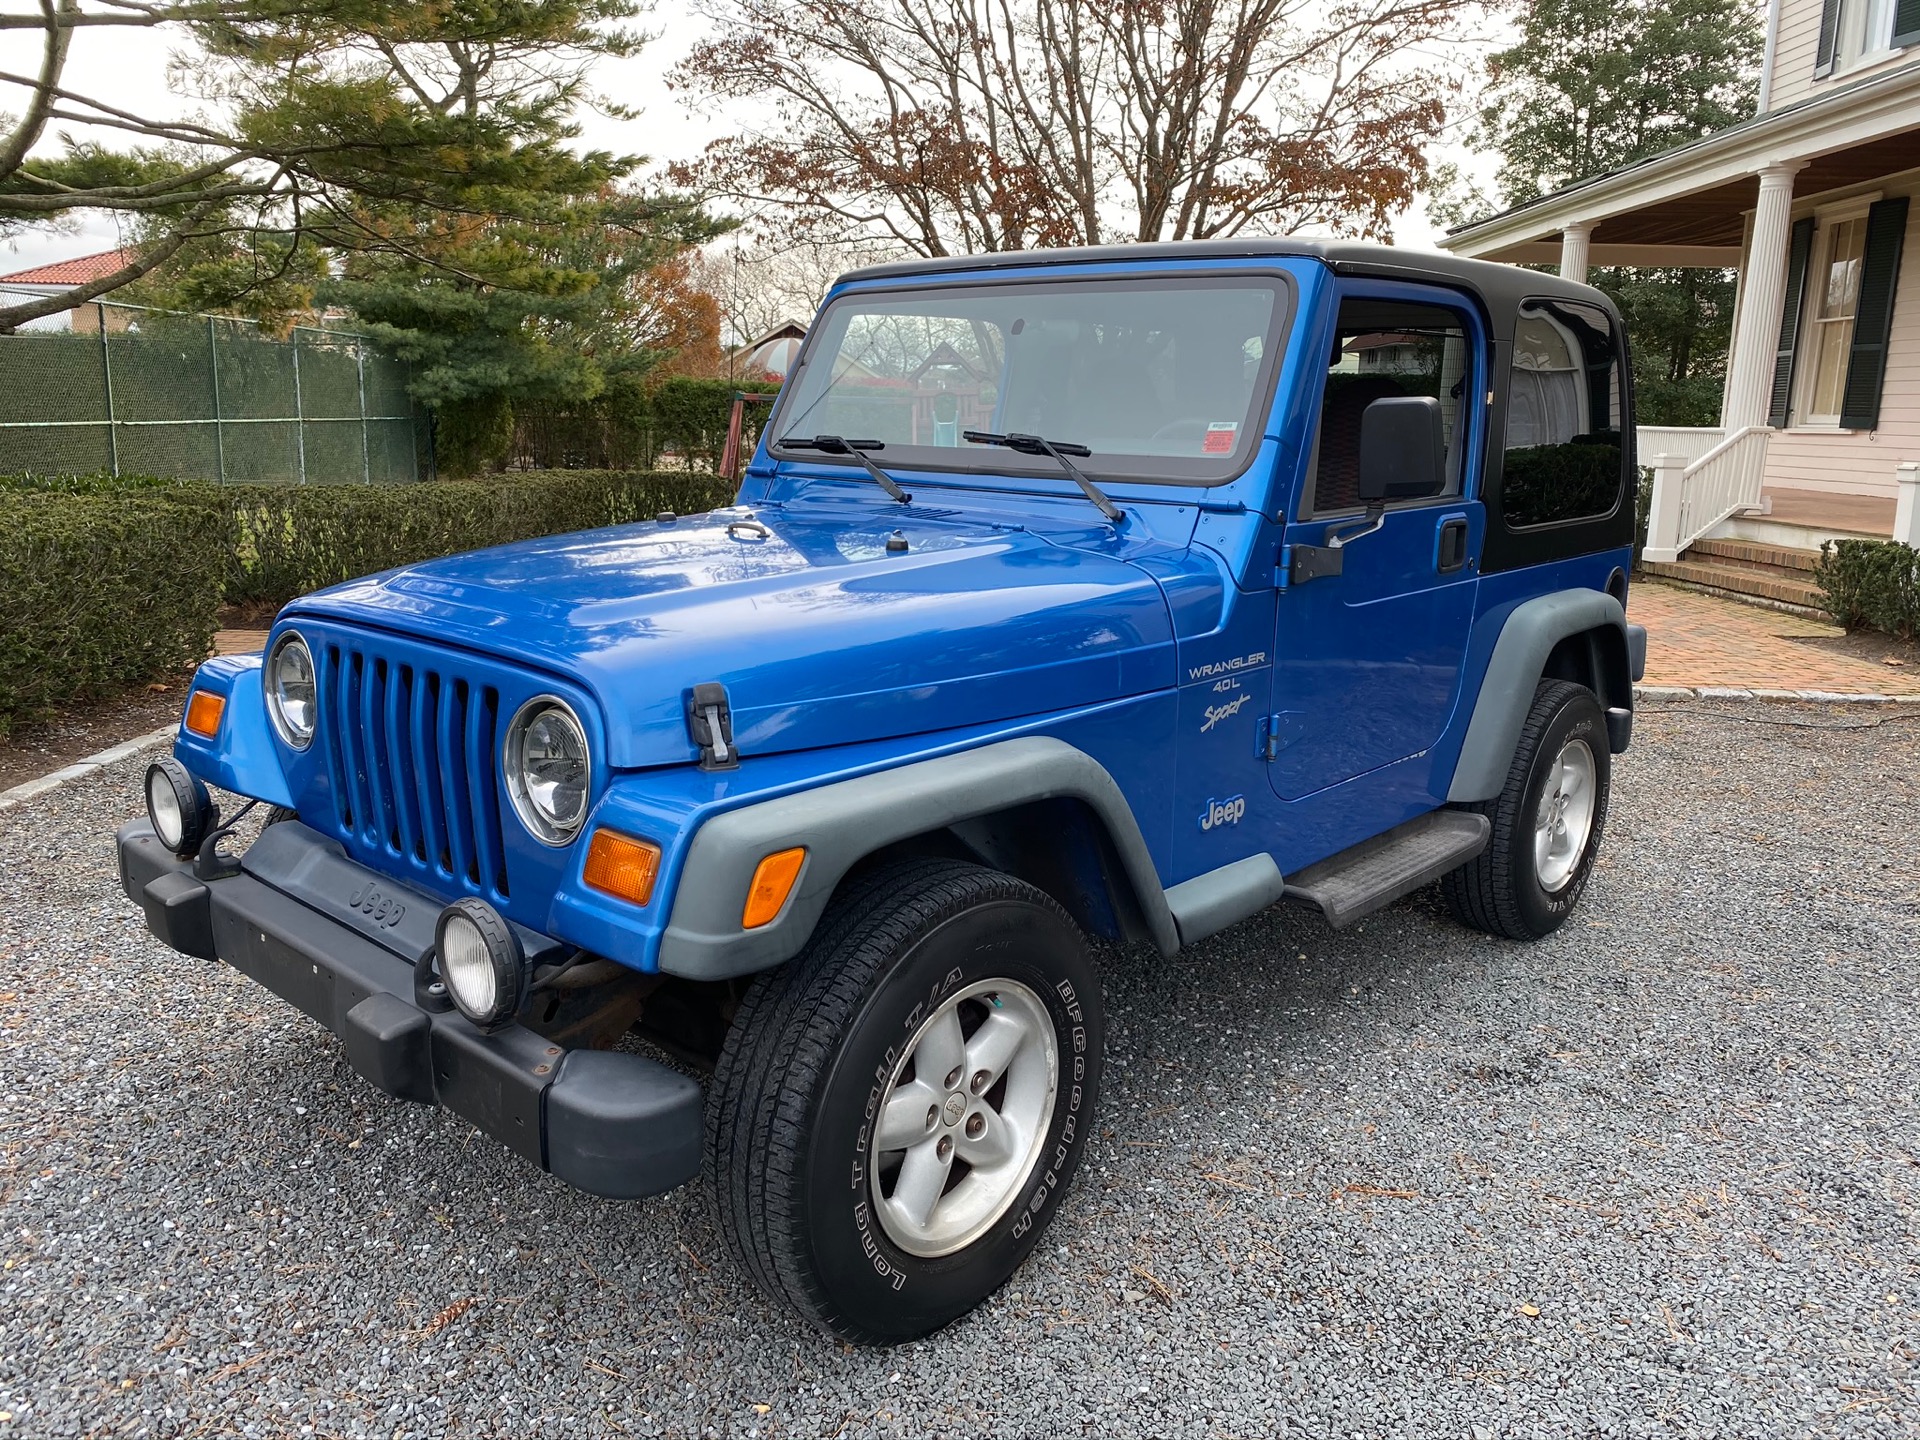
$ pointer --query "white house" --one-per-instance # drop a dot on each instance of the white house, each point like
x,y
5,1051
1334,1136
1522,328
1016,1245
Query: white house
x,y
1809,200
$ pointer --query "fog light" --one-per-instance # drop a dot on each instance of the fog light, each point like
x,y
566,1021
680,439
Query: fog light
x,y
481,962
178,806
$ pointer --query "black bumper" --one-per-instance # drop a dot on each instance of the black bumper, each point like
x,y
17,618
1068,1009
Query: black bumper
x,y
610,1123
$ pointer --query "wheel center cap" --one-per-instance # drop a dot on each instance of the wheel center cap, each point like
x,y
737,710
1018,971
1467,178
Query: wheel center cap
x,y
955,1107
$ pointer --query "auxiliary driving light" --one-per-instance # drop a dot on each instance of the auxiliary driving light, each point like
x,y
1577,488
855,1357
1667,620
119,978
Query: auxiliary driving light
x,y
481,961
178,805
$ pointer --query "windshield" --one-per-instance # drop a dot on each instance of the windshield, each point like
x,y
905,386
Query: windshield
x,y
1161,378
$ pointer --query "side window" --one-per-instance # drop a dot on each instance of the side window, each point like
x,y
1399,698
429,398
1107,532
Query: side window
x,y
1563,455
1384,348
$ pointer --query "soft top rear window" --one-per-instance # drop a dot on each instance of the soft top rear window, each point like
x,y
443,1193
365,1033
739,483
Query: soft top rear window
x,y
1163,378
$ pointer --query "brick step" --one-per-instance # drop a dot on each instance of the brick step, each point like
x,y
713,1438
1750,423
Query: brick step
x,y
1752,552
1779,586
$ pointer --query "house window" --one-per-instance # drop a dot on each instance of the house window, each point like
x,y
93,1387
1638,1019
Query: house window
x,y
1866,29
1835,296
1861,32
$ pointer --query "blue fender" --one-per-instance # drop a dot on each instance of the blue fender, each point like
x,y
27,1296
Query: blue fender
x,y
243,756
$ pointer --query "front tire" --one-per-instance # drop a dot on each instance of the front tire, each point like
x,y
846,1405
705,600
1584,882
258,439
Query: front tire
x,y
1547,821
896,1112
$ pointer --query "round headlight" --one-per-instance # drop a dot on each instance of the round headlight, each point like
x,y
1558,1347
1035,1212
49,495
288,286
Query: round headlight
x,y
292,695
481,962
178,806
548,769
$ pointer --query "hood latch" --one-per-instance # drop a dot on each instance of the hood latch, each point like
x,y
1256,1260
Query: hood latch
x,y
710,723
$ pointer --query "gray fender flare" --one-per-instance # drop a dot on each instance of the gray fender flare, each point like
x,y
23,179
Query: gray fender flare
x,y
843,822
1506,693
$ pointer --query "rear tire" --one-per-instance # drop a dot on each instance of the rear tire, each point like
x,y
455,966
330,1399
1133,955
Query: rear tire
x,y
1547,821
879,1199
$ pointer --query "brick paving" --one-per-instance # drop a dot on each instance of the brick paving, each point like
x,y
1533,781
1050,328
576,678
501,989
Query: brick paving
x,y
1698,640
1692,640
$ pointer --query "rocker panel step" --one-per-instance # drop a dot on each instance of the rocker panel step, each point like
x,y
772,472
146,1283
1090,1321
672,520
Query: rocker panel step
x,y
1377,872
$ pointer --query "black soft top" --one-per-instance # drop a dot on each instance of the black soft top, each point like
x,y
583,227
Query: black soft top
x,y
1500,287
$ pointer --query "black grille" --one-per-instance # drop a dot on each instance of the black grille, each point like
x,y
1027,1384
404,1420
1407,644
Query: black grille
x,y
410,751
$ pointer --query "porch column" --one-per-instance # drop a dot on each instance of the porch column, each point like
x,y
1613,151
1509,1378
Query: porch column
x,y
1574,248
1763,287
1906,507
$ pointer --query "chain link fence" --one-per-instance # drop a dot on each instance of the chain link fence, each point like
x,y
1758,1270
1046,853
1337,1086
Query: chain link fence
x,y
153,392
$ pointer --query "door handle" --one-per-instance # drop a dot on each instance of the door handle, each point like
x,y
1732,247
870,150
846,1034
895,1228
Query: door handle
x,y
1451,552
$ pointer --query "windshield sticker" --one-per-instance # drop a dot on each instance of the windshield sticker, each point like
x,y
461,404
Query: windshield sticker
x,y
1220,437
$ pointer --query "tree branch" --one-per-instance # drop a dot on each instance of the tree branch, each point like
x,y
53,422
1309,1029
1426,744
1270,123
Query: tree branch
x,y
53,59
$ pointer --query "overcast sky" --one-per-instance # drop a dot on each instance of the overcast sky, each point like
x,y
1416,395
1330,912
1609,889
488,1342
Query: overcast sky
x,y
129,69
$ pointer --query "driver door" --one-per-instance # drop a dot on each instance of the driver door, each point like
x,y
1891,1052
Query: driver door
x,y
1368,660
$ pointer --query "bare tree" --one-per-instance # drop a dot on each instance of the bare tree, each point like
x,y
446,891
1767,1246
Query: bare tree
x,y
759,285
957,125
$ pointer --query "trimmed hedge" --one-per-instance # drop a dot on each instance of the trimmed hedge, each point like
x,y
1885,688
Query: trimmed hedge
x,y
106,582
287,540
94,594
1872,584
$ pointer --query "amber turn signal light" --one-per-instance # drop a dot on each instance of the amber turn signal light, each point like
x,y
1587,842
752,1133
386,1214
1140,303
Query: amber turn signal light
x,y
772,882
621,866
204,709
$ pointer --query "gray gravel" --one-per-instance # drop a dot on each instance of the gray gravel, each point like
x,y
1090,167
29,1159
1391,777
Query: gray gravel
x,y
1655,1176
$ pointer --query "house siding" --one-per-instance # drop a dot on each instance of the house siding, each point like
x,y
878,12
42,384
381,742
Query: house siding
x,y
1796,48
1861,462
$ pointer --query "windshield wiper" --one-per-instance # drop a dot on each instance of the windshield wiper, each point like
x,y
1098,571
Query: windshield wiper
x,y
838,445
1059,450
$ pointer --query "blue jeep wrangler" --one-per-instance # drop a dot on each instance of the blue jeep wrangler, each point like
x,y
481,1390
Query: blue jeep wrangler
x,y
1109,594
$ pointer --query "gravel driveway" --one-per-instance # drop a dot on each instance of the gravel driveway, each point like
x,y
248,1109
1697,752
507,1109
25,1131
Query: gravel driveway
x,y
1657,1175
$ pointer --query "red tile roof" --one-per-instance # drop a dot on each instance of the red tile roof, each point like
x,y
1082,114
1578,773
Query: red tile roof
x,y
71,272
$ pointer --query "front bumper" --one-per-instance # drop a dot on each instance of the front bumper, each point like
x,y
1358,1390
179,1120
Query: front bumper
x,y
608,1122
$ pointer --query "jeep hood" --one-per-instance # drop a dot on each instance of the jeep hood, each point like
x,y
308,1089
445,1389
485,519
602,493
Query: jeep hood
x,y
820,634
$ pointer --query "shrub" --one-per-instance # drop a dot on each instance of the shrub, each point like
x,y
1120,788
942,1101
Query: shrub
x,y
287,540
98,591
108,581
1872,584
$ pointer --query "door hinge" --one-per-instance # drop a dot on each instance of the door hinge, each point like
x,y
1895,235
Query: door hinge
x,y
1275,732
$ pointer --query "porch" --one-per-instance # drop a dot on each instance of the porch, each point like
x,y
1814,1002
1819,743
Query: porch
x,y
1820,409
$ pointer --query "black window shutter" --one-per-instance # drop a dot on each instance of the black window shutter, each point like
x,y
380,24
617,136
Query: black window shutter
x,y
1829,37
1798,249
1873,315
1906,23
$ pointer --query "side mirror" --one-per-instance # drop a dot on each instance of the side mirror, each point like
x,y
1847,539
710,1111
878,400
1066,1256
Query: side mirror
x,y
1403,450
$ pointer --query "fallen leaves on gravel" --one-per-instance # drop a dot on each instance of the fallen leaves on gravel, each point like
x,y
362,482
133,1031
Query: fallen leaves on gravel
x,y
1371,1192
446,1317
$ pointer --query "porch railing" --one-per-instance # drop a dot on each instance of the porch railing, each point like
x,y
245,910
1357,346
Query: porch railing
x,y
1690,498
1689,442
